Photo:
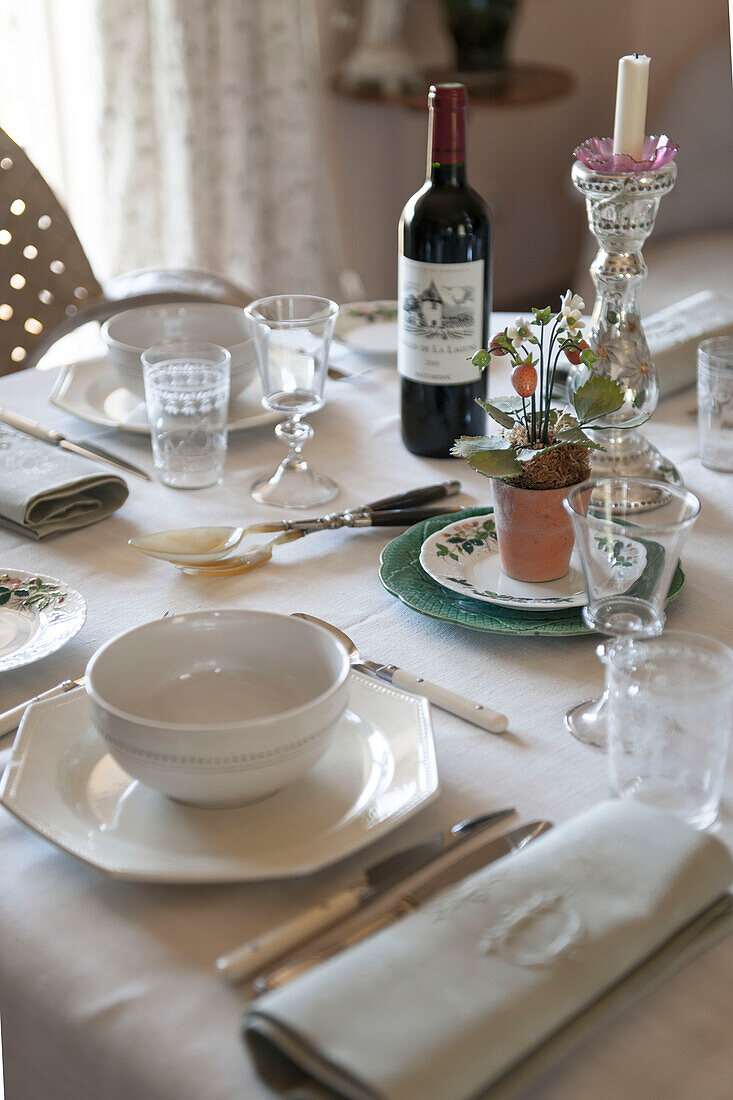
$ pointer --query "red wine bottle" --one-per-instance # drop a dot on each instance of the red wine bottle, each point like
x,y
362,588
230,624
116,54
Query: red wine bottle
x,y
444,289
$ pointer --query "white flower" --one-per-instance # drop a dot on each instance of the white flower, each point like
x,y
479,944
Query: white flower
x,y
518,331
571,308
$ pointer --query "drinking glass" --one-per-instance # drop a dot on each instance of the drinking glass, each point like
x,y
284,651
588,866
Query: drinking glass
x,y
187,397
292,334
670,712
715,402
628,564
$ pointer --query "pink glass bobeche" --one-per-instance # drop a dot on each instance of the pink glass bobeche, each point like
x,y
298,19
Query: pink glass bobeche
x,y
598,155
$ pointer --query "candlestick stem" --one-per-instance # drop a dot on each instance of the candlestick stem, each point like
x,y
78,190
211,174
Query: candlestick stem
x,y
621,209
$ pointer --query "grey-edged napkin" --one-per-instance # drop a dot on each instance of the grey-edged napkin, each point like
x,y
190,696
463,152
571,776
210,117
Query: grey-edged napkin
x,y
44,490
476,992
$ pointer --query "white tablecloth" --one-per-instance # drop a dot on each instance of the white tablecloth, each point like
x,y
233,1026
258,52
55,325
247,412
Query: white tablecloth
x,y
106,987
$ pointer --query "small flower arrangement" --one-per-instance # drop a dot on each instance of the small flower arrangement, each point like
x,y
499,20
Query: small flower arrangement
x,y
540,447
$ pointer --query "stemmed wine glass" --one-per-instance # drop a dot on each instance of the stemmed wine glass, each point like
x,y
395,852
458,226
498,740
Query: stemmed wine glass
x,y
628,559
292,334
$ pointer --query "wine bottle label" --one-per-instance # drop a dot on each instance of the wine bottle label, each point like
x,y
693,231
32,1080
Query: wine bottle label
x,y
440,321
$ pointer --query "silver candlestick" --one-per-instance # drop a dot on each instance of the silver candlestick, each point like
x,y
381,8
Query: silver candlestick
x,y
621,209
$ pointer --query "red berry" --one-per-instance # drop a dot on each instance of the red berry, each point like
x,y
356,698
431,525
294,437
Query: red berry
x,y
524,379
573,354
495,348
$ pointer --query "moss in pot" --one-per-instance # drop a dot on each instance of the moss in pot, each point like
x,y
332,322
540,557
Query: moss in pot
x,y
540,452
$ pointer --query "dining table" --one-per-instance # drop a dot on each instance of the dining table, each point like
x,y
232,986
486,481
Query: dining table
x,y
107,987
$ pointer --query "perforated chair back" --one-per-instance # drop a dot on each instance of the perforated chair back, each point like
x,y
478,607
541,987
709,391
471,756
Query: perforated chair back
x,y
47,285
45,276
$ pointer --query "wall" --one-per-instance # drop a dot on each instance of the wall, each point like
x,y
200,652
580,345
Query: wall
x,y
520,157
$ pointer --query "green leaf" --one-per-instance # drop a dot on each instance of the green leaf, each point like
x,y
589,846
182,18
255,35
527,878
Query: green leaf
x,y
504,410
481,359
469,445
4,597
542,316
577,435
597,397
639,399
588,357
501,462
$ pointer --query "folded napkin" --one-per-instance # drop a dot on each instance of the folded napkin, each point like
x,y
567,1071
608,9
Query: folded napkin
x,y
674,333
451,1001
44,490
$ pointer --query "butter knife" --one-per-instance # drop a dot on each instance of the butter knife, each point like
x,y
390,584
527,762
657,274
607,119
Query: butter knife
x,y
56,439
457,869
253,957
10,719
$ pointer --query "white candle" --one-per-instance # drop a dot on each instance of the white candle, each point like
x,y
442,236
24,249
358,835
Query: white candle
x,y
631,93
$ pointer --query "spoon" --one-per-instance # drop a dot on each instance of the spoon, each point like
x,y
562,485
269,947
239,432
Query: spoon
x,y
476,713
207,545
239,563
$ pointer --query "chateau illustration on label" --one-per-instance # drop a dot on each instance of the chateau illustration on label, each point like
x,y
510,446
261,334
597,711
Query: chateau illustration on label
x,y
447,314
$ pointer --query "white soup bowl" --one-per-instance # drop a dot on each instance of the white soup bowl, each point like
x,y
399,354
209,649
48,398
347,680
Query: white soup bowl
x,y
218,708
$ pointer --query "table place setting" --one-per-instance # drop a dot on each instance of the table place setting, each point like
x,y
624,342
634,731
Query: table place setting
x,y
347,813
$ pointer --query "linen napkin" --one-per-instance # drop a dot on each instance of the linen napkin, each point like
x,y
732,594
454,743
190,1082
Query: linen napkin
x,y
44,490
452,1000
674,333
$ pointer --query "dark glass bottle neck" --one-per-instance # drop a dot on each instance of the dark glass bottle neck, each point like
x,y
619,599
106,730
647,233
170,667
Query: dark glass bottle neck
x,y
441,175
446,138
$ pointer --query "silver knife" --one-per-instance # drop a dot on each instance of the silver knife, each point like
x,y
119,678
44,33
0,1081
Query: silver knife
x,y
56,439
457,869
253,957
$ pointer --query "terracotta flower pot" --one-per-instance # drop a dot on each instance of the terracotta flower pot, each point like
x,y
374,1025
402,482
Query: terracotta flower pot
x,y
533,530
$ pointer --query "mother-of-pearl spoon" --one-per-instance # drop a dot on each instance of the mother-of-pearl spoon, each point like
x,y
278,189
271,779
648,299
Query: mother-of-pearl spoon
x,y
208,545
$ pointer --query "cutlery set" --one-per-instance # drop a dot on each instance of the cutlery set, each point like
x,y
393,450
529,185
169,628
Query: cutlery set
x,y
206,550
250,962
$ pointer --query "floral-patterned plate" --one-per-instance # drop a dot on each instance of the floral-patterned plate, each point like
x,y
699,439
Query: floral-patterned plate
x,y
38,615
464,557
401,574
369,328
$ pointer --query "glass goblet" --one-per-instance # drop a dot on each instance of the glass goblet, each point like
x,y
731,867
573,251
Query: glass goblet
x,y
628,559
292,334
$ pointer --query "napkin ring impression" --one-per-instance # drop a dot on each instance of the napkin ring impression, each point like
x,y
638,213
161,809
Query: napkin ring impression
x,y
539,931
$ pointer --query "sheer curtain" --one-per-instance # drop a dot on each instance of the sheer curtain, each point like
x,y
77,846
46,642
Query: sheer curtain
x,y
178,132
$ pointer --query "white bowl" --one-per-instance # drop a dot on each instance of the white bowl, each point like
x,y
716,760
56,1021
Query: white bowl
x,y
129,334
218,708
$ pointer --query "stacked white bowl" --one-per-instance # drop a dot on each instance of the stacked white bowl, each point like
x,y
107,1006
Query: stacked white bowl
x,y
219,708
129,334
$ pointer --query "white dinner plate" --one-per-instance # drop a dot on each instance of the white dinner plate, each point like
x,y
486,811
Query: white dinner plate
x,y
90,390
464,558
38,615
368,328
379,770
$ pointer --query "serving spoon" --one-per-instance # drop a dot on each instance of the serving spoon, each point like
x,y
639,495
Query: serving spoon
x,y
208,545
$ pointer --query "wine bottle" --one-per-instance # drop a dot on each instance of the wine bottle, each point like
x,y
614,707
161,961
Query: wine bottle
x,y
444,289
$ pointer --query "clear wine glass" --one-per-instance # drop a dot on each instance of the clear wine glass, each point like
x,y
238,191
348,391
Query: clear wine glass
x,y
628,564
292,334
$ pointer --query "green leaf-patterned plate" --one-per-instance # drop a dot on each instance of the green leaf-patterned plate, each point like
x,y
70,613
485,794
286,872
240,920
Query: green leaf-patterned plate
x,y
401,574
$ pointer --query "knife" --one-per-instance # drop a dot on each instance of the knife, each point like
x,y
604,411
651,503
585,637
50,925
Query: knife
x,y
10,719
56,439
457,869
248,960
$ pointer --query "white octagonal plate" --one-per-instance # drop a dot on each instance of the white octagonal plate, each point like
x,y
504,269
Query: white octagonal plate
x,y
89,389
379,770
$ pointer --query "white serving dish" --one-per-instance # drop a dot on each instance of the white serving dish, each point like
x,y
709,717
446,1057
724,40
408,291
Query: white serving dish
x,y
128,334
218,708
378,771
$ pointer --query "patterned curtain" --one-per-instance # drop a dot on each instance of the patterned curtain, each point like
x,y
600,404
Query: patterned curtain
x,y
212,153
